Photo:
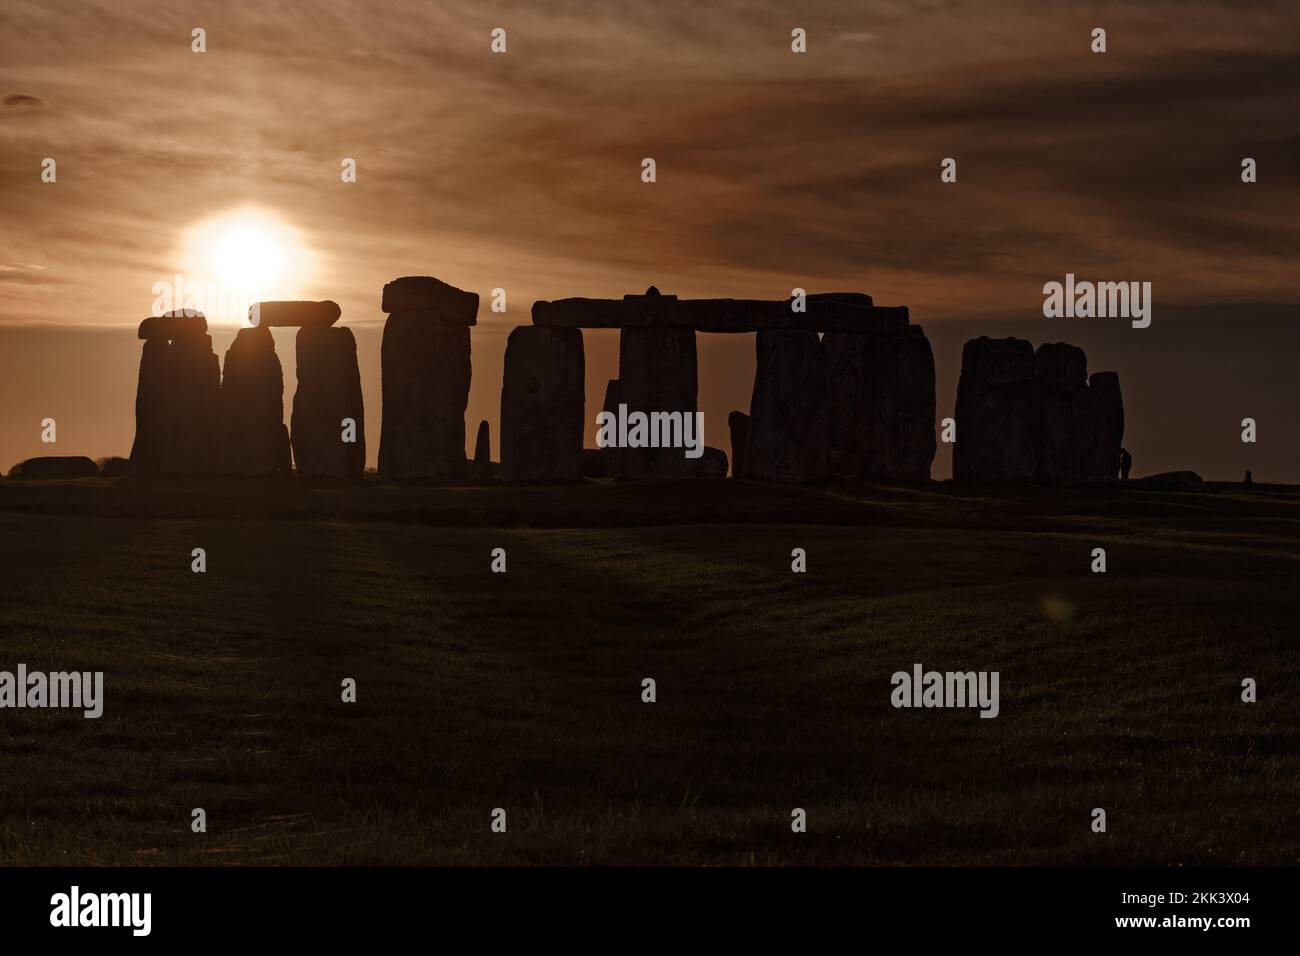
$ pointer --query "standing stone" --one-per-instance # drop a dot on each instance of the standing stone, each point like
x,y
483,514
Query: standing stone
x,y
789,427
657,373
426,375
542,404
1060,373
1101,418
189,436
152,405
738,424
895,413
481,470
994,397
252,439
329,391
846,369
612,454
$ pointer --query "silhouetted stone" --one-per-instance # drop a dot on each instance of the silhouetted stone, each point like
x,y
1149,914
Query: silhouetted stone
x,y
824,312
1101,422
1188,481
431,299
55,466
290,314
481,469
172,325
114,467
542,405
994,399
1060,374
738,425
152,406
789,413
895,438
656,373
594,463
846,372
613,467
251,435
329,392
426,376
180,391
711,464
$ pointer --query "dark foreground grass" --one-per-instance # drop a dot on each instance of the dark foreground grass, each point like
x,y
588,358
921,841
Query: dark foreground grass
x,y
522,690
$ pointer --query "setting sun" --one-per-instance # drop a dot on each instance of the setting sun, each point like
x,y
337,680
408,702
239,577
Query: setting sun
x,y
243,256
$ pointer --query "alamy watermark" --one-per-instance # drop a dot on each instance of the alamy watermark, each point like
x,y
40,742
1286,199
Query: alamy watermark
x,y
1085,300
922,688
78,690
626,429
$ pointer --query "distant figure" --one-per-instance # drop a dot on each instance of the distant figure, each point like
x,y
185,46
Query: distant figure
x,y
1250,479
1125,463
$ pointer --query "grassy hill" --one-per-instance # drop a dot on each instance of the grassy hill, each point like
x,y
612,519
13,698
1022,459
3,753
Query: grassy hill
x,y
523,690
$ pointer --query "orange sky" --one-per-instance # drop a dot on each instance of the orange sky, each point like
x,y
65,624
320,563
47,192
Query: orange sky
x,y
775,170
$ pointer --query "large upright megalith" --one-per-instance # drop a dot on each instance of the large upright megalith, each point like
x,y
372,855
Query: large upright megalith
x,y
657,373
847,358
177,397
738,425
895,411
789,412
252,439
542,396
329,415
1057,421
1102,423
426,375
994,400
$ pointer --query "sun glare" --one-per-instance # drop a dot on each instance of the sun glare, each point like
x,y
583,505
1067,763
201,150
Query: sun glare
x,y
241,257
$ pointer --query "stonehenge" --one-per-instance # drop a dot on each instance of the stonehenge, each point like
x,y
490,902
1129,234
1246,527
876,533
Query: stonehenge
x,y
177,397
1035,415
425,360
842,387
789,411
542,404
328,427
252,439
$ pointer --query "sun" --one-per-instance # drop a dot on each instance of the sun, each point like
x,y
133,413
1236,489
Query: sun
x,y
244,256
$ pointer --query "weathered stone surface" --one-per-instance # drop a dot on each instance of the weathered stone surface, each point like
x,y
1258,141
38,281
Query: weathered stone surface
x,y
825,312
656,373
1060,373
1101,420
481,469
738,425
994,400
711,464
432,299
847,358
542,405
426,376
171,325
291,313
896,406
251,435
55,466
176,407
329,391
789,413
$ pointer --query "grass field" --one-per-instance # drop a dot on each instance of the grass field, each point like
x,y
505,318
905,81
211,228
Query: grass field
x,y
479,690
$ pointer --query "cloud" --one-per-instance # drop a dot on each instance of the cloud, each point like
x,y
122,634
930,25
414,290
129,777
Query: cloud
x,y
22,100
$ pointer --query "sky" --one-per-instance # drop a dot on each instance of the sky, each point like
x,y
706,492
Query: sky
x,y
775,170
